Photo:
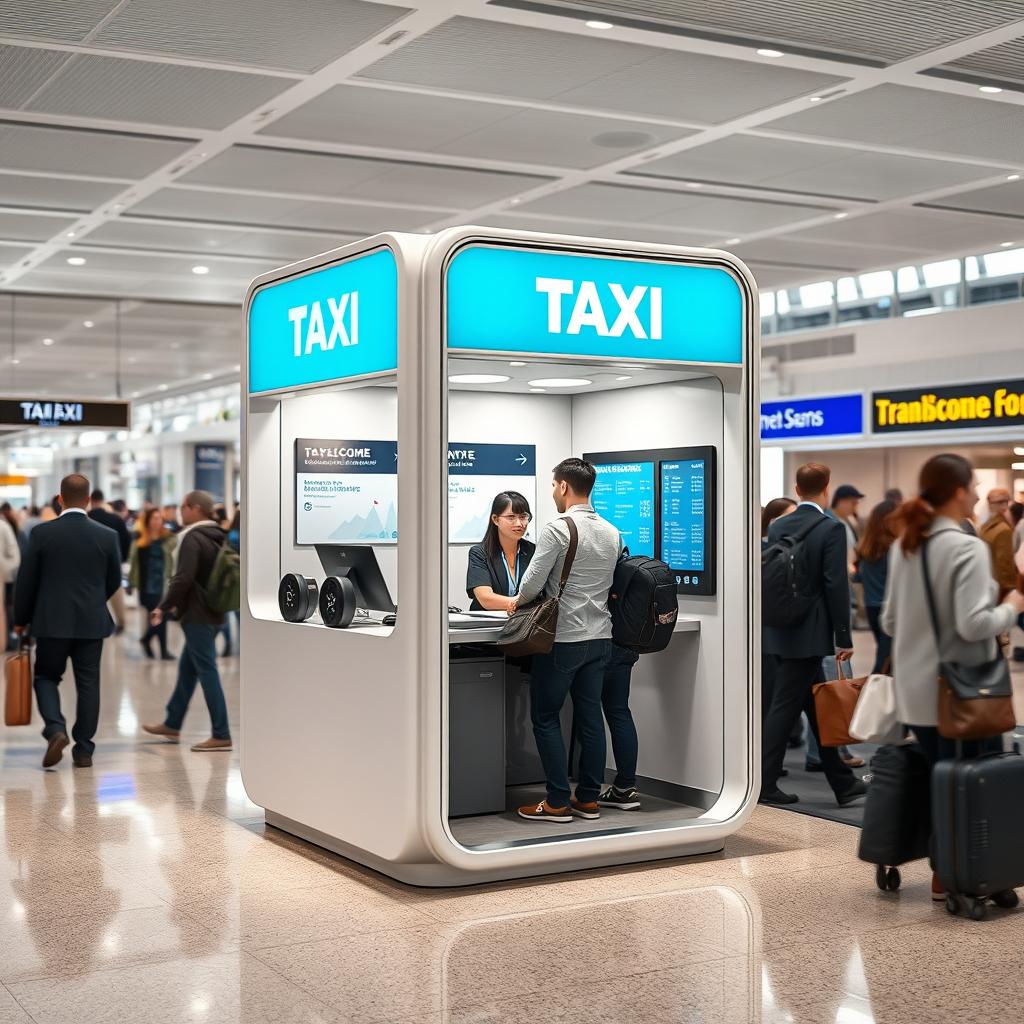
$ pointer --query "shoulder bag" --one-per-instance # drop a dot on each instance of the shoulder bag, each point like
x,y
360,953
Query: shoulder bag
x,y
975,701
834,704
531,629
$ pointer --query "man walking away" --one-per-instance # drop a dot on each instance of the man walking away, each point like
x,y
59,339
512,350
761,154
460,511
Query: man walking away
x,y
824,630
99,513
198,544
997,533
70,571
583,643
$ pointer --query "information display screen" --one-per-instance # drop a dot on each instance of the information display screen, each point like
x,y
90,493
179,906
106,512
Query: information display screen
x,y
686,516
624,495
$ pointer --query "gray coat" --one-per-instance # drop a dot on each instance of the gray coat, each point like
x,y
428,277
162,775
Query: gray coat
x,y
960,568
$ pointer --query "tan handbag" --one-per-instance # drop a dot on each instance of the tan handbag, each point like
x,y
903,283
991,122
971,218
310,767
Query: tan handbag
x,y
834,704
18,685
531,629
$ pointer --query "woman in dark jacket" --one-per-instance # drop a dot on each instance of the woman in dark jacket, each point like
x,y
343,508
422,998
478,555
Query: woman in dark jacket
x,y
873,570
498,562
150,566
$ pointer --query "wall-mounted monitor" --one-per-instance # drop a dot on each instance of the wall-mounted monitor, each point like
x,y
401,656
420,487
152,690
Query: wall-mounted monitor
x,y
624,495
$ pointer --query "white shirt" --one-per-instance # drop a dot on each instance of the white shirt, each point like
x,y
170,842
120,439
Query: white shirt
x,y
67,510
813,504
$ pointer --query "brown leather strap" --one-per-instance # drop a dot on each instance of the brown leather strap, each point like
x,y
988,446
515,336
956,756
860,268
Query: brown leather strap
x,y
570,555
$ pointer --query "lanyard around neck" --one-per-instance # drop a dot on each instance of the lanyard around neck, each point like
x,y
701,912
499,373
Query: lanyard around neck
x,y
513,581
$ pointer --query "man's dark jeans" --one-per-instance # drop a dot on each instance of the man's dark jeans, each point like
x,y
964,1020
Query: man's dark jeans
x,y
615,701
52,655
577,669
198,662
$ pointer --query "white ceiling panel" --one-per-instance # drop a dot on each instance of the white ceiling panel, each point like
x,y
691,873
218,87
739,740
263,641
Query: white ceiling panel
x,y
511,60
596,229
813,169
17,227
682,209
23,72
291,36
882,32
1006,199
914,118
141,284
66,21
162,264
822,258
10,254
75,151
225,208
1000,63
55,193
148,92
282,170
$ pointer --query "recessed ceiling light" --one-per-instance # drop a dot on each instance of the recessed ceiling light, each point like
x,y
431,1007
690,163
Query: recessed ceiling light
x,y
537,391
478,378
815,99
768,52
989,89
560,382
1013,177
15,361
514,201
1007,245
733,241
600,26
200,270
88,323
162,387
47,341
841,216
76,261
135,394
694,184
207,376
517,364
71,234
624,378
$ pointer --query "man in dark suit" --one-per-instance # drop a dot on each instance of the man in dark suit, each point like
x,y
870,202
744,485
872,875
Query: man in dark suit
x,y
71,568
99,513
798,650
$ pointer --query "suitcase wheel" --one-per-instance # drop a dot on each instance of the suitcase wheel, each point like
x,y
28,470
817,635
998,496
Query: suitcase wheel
x,y
974,908
1008,899
887,879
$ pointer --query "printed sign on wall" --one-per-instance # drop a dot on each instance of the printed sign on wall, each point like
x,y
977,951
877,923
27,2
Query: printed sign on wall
x,y
478,472
346,492
833,416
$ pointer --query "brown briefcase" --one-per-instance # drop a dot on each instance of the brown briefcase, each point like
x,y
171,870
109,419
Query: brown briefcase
x,y
18,685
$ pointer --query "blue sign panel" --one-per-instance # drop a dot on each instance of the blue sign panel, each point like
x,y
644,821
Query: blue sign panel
x,y
209,463
492,459
624,495
525,301
812,417
476,473
326,325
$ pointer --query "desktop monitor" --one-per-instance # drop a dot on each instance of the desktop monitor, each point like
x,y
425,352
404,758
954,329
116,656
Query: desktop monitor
x,y
624,495
358,563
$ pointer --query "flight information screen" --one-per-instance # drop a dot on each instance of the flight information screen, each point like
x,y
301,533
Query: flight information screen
x,y
686,536
624,495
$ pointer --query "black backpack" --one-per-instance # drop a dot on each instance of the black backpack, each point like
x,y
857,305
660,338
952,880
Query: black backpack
x,y
787,590
643,604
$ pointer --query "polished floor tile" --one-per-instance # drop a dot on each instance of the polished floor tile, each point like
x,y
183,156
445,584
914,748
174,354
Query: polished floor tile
x,y
148,889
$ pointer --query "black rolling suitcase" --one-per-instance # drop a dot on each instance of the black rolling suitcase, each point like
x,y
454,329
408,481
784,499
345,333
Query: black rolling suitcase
x,y
979,831
897,812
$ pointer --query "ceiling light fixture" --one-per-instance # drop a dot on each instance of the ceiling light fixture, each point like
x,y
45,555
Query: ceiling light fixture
x,y
71,234
694,184
200,269
207,376
815,99
1013,177
624,378
478,378
1007,245
991,89
537,391
599,26
88,323
162,387
1018,451
47,341
768,52
733,241
841,216
560,382
14,362
515,201
517,364
76,261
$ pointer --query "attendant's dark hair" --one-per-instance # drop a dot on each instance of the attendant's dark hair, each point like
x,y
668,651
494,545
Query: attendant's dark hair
x,y
577,474
879,534
506,501
775,508
941,477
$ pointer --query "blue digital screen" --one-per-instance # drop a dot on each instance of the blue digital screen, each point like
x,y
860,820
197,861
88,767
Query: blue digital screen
x,y
529,301
624,495
683,504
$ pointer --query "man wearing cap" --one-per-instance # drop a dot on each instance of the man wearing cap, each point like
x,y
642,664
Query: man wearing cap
x,y
844,508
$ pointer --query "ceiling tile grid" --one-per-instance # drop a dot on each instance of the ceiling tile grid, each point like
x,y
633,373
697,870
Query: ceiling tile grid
x,y
66,21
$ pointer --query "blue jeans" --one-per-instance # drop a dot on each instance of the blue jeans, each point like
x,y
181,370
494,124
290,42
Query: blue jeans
x,y
577,669
198,663
615,701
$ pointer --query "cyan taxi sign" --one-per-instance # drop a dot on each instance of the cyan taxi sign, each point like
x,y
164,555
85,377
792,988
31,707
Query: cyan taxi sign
x,y
525,301
326,325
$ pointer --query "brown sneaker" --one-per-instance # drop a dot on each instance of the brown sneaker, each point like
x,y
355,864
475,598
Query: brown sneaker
x,y
55,749
82,761
171,735
545,812
589,810
938,892
212,744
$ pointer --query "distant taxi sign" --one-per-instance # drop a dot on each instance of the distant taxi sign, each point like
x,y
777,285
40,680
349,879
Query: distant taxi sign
x,y
48,411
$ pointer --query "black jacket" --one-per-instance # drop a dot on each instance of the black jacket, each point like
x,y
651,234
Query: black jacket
x,y
828,624
72,568
491,572
197,551
115,523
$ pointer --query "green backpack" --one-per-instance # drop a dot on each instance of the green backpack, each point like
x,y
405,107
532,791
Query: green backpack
x,y
223,588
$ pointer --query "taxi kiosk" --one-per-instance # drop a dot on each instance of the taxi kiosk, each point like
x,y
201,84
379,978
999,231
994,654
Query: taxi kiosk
x,y
394,386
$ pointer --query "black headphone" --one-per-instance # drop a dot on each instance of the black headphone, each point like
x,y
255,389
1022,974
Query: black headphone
x,y
297,597
337,602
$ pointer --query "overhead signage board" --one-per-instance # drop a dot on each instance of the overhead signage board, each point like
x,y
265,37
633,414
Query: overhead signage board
x,y
526,301
955,407
208,468
832,416
48,411
325,325
476,474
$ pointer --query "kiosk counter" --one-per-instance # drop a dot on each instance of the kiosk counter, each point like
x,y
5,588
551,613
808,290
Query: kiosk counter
x,y
394,386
